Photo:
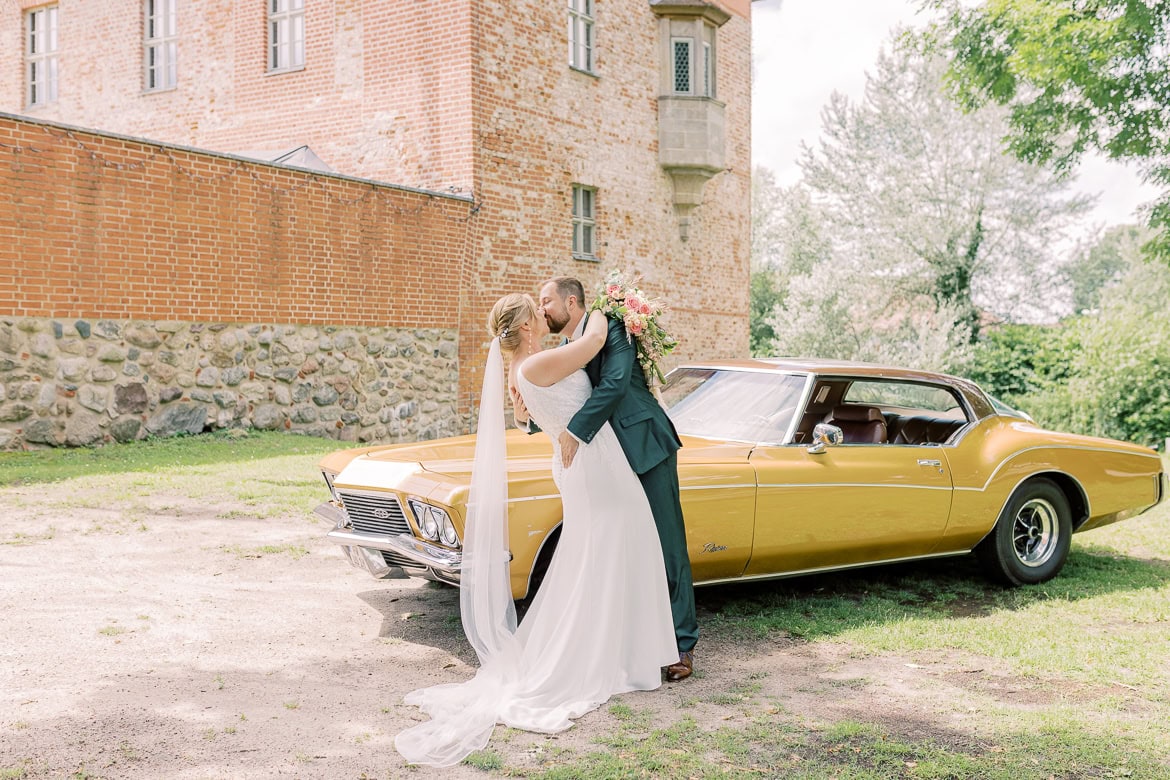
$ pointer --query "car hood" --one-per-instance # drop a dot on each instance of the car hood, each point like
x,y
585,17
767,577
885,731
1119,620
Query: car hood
x,y
449,461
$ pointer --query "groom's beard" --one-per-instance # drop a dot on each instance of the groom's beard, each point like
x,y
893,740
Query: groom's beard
x,y
556,325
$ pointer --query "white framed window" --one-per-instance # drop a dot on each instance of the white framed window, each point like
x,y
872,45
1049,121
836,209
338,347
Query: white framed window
x,y
41,55
286,34
584,223
160,44
681,52
581,34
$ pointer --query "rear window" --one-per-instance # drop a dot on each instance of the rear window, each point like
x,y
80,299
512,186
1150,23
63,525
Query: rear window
x,y
932,399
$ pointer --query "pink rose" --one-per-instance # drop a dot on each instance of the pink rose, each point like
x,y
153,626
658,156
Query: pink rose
x,y
634,303
612,289
635,327
646,307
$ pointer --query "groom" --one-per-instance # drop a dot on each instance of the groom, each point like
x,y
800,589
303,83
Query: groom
x,y
647,437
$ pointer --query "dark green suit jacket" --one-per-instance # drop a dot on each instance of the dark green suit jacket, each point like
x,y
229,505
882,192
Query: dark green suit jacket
x,y
620,395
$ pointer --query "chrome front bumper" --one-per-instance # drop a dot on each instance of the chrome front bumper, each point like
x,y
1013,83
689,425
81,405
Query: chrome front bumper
x,y
433,561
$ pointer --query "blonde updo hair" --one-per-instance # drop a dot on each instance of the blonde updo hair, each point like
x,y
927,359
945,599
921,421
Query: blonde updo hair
x,y
508,314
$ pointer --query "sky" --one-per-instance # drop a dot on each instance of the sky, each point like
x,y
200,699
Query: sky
x,y
803,50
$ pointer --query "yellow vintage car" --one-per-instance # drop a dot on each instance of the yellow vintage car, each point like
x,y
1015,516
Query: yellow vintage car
x,y
788,467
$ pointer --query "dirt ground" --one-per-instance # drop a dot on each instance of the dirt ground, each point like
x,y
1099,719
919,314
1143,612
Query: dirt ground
x,y
187,644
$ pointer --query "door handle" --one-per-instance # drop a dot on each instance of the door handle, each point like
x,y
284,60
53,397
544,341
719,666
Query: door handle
x,y
930,462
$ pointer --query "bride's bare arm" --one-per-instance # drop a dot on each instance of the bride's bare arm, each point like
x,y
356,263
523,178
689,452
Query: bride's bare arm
x,y
552,365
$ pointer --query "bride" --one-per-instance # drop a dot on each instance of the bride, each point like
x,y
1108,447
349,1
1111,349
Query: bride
x,y
601,622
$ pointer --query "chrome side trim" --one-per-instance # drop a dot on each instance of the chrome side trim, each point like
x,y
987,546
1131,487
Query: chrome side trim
x,y
824,569
720,487
850,484
1004,462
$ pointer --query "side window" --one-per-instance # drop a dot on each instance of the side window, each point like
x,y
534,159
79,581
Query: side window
x,y
914,413
286,35
160,34
681,48
40,55
581,35
584,222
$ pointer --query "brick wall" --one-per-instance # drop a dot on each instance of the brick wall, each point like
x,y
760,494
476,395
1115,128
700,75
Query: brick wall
x,y
473,95
541,127
102,226
150,288
385,93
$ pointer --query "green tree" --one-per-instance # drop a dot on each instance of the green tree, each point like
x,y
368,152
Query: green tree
x,y
919,194
1077,75
909,224
1103,264
786,240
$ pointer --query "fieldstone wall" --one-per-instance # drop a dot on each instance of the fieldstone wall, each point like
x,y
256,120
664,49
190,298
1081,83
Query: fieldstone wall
x,y
85,382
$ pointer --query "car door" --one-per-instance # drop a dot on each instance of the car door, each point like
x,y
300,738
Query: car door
x,y
717,491
850,504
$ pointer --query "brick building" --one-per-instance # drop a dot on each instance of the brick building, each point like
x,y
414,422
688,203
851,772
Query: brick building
x,y
556,138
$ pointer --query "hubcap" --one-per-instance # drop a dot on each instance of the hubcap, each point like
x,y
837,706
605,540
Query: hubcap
x,y
1034,533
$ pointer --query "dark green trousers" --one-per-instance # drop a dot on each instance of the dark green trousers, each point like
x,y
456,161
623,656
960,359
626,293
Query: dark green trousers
x,y
661,486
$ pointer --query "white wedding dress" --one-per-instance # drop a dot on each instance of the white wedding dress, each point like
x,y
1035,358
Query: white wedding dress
x,y
600,623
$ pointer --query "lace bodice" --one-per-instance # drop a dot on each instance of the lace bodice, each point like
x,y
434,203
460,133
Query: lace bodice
x,y
552,407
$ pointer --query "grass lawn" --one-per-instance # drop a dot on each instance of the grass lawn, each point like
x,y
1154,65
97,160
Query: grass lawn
x,y
1071,678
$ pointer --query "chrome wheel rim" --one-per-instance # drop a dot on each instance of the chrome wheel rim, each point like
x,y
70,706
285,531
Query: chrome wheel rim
x,y
1034,533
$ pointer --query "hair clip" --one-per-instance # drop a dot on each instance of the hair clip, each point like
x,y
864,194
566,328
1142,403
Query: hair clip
x,y
504,333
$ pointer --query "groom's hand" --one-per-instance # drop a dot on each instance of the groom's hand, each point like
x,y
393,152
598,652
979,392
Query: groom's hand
x,y
569,445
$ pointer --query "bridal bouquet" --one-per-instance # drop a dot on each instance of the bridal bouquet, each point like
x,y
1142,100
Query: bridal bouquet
x,y
640,313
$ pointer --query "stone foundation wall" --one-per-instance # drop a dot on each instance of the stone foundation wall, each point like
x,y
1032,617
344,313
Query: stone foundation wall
x,y
83,382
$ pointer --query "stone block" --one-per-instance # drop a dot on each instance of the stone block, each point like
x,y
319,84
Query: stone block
x,y
43,345
108,329
267,417
15,412
325,396
42,431
207,377
142,335
179,417
111,353
92,397
132,398
125,429
73,369
82,430
234,375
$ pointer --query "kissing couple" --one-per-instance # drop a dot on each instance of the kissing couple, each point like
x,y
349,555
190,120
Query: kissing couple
x,y
617,604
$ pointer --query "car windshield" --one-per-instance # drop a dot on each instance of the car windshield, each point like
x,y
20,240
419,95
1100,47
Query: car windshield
x,y
739,405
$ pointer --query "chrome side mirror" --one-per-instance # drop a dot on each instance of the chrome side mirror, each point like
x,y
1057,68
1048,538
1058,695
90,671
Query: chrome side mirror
x,y
825,435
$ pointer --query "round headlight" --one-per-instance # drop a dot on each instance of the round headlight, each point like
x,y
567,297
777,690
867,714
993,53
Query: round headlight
x,y
447,533
429,525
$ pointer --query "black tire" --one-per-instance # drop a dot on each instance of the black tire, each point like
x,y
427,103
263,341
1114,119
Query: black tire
x,y
539,569
1030,541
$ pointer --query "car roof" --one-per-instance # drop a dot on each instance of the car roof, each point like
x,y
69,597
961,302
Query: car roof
x,y
821,366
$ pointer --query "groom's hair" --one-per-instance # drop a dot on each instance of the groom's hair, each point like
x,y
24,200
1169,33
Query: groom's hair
x,y
566,286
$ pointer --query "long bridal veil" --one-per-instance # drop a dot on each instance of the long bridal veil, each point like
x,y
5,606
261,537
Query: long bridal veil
x,y
463,715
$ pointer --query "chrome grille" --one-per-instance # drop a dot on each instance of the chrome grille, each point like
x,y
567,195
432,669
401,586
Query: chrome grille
x,y
375,514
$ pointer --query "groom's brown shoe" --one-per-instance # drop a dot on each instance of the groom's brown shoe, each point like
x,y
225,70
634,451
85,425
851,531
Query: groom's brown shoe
x,y
682,670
